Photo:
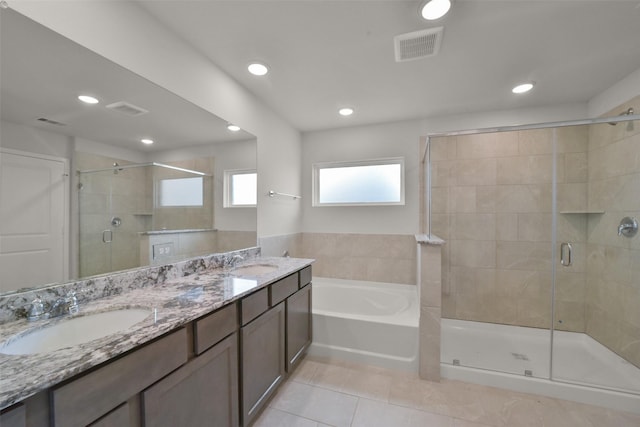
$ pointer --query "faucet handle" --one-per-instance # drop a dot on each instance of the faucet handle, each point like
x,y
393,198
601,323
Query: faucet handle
x,y
628,227
36,311
72,302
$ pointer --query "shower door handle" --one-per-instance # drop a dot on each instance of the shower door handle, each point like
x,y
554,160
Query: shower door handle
x,y
565,248
107,236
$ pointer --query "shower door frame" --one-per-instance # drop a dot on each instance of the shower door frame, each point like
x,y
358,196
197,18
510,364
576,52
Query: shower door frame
x,y
426,208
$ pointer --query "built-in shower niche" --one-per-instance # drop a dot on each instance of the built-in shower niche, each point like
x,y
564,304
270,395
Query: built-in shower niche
x,y
131,215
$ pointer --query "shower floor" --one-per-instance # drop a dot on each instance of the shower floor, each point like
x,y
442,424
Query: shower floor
x,y
577,357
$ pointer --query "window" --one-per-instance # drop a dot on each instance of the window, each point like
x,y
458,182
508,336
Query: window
x,y
240,188
181,192
368,182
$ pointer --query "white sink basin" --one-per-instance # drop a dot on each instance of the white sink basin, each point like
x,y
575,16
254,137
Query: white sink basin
x,y
74,331
254,270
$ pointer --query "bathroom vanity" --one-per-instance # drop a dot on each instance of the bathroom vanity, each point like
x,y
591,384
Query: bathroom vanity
x,y
213,352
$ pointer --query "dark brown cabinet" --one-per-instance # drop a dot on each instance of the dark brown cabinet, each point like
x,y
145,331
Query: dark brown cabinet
x,y
202,393
298,326
262,360
121,416
91,396
15,416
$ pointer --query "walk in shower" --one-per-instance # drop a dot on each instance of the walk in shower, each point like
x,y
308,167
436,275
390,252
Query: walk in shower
x,y
124,209
541,266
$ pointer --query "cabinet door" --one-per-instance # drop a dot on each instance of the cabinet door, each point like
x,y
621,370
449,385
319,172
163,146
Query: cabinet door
x,y
119,417
263,357
91,396
202,393
14,417
298,325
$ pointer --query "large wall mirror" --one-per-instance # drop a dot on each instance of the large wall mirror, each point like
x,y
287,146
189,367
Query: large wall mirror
x,y
80,194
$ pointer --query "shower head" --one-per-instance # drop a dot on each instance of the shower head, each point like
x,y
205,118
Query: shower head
x,y
116,169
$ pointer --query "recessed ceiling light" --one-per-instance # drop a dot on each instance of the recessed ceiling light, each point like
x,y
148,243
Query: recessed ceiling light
x,y
435,9
345,111
258,69
523,88
233,128
88,99
147,141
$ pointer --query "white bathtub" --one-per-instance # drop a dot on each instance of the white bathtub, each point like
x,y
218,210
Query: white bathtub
x,y
365,322
498,355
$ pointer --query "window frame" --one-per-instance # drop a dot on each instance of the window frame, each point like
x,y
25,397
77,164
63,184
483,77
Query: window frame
x,y
228,190
316,167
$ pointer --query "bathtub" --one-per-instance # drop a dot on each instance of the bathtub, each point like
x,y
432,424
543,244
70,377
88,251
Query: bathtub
x,y
517,358
365,322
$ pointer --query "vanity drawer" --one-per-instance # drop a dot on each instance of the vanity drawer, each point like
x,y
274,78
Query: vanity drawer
x,y
214,327
281,289
254,305
91,396
305,276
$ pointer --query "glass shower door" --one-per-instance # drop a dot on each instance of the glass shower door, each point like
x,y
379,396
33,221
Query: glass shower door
x,y
114,209
596,337
96,233
492,197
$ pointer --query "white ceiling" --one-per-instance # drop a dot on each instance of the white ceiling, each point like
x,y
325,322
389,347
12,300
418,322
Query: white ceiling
x,y
327,54
41,74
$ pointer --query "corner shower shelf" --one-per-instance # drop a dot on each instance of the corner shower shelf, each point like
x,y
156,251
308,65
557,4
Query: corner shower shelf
x,y
581,212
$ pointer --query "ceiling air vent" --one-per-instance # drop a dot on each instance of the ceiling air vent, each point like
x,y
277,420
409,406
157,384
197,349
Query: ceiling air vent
x,y
128,109
417,45
51,122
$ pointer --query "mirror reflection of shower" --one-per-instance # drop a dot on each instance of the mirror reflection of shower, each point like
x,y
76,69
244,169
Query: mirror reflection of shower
x,y
139,206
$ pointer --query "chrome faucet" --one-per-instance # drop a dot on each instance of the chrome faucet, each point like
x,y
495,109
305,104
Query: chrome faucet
x,y
36,310
60,307
64,305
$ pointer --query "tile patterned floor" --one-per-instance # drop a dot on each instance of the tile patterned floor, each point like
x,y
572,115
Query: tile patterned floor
x,y
322,394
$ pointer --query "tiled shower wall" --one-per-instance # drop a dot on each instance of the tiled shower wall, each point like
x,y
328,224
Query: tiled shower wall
x,y
97,206
492,203
613,269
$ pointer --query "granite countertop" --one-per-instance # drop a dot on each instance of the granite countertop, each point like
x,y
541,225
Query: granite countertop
x,y
172,303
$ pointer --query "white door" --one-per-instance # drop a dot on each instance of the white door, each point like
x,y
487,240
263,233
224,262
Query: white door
x,y
32,220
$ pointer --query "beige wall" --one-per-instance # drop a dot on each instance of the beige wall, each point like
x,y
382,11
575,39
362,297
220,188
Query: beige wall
x,y
613,271
389,258
492,203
